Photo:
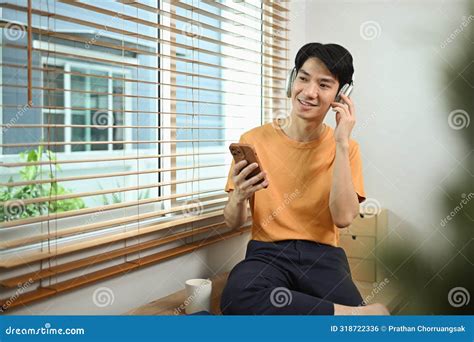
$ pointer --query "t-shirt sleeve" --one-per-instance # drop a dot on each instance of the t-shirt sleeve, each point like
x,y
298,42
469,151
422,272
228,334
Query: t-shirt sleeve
x,y
356,169
230,184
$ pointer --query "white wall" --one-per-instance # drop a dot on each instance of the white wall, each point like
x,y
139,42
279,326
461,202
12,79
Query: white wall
x,y
410,153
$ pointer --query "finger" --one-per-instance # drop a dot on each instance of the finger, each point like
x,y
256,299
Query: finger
x,y
239,166
343,111
260,186
342,108
347,99
338,104
247,170
349,102
254,180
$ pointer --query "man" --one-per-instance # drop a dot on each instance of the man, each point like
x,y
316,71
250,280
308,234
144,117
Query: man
x,y
312,187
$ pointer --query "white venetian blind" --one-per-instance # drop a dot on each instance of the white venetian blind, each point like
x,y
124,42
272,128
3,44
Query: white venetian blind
x,y
116,119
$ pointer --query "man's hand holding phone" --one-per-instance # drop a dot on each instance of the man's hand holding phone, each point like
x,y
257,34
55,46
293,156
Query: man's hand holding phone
x,y
345,115
245,188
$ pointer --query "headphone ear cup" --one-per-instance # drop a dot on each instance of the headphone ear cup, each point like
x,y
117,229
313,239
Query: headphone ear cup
x,y
289,81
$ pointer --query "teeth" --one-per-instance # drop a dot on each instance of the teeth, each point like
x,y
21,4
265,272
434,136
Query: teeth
x,y
306,103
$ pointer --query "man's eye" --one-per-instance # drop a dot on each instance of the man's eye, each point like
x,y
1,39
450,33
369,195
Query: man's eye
x,y
324,86
302,78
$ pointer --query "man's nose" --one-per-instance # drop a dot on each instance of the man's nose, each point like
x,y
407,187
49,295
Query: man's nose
x,y
310,91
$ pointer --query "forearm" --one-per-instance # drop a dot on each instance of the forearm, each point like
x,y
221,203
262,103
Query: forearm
x,y
235,212
343,201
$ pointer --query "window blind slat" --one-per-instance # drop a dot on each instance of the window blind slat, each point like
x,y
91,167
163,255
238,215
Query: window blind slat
x,y
143,22
127,111
112,142
188,7
113,14
42,255
103,224
119,126
266,13
266,77
45,292
113,159
55,90
228,9
54,198
96,259
276,5
194,49
86,211
52,53
107,175
240,34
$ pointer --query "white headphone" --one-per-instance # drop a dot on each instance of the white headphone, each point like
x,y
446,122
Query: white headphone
x,y
289,81
346,89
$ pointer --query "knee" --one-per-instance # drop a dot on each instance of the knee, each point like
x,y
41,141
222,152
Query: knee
x,y
240,299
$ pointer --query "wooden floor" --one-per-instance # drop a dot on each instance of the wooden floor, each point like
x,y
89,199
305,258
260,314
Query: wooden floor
x,y
173,304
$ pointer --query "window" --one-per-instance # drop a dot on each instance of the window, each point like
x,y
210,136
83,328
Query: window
x,y
98,91
116,119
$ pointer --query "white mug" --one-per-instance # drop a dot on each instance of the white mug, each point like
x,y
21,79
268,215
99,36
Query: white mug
x,y
198,295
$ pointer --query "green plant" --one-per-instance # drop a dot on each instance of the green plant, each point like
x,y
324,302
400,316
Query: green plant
x,y
119,198
14,197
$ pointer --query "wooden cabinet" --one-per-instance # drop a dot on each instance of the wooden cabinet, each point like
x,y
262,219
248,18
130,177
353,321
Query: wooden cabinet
x,y
361,241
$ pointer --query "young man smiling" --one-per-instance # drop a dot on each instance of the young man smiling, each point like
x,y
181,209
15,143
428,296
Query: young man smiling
x,y
312,186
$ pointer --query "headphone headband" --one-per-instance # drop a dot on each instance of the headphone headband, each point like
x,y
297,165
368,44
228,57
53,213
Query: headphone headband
x,y
289,81
291,78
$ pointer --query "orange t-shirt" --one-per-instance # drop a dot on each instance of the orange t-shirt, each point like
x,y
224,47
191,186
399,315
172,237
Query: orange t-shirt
x,y
296,203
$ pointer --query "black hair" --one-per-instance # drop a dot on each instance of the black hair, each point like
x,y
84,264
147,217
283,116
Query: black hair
x,y
336,58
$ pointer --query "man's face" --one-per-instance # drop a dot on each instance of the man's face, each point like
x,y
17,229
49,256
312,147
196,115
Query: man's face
x,y
313,90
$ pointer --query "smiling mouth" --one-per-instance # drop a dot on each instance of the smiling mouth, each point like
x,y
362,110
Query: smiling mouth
x,y
307,104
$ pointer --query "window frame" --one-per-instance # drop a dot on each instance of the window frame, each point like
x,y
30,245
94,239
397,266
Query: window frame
x,y
68,65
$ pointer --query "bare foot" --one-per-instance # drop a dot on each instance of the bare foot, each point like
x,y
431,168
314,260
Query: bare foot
x,y
375,309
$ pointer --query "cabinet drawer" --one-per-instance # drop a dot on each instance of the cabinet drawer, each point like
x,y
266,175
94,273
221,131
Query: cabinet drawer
x,y
362,269
360,247
363,226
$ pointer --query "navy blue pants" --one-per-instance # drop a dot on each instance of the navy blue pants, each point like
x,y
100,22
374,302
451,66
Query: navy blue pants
x,y
291,277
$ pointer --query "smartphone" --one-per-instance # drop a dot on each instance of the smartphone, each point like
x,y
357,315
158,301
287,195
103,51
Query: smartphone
x,y
346,90
246,152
